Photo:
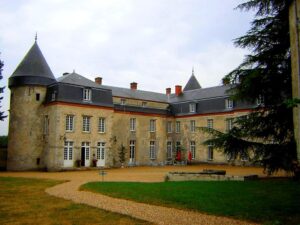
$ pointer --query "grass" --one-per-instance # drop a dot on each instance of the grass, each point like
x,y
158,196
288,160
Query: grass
x,y
24,201
269,202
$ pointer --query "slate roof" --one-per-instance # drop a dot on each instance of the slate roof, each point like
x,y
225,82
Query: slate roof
x,y
76,79
192,84
200,94
33,69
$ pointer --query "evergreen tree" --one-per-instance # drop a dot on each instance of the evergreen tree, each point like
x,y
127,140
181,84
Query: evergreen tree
x,y
267,132
2,116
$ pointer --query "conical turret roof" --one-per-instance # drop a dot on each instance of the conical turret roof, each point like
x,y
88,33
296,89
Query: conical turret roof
x,y
192,84
33,69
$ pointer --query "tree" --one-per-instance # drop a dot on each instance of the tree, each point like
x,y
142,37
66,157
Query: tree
x,y
122,154
2,116
267,131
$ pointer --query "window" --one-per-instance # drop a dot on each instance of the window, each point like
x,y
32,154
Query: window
x,y
123,101
210,123
37,96
87,94
177,126
131,149
68,150
169,127
152,126
69,123
144,104
169,150
132,124
86,124
46,125
100,151
152,150
192,125
192,107
229,124
260,100
193,149
101,125
177,146
229,103
53,96
210,153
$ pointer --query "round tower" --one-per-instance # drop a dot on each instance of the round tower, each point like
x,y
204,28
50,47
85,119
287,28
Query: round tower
x,y
28,85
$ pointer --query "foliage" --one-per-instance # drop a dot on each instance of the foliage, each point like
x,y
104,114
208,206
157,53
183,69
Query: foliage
x,y
265,73
122,153
263,201
3,141
2,116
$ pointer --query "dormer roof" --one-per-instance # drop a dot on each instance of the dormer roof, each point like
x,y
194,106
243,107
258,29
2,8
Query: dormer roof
x,y
192,84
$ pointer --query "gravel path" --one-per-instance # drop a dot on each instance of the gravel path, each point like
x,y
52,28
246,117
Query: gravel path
x,y
156,214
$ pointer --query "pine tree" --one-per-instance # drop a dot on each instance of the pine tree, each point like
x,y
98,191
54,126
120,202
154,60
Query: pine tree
x,y
266,133
2,116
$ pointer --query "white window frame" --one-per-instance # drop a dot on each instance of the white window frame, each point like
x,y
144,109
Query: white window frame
x,y
68,150
152,150
86,123
193,126
144,104
69,123
123,101
152,125
169,150
192,107
132,149
100,150
53,96
193,149
229,103
229,124
210,123
87,147
101,125
87,94
169,126
132,124
210,153
177,126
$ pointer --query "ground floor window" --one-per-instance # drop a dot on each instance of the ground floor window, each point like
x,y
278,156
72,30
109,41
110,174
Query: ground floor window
x,y
152,150
131,150
193,149
210,153
169,150
68,150
100,150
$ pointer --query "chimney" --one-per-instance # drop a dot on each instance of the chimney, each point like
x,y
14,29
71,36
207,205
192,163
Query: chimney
x,y
168,91
98,80
133,86
178,90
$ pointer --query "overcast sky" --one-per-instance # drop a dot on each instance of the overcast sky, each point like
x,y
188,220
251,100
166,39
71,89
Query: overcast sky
x,y
152,42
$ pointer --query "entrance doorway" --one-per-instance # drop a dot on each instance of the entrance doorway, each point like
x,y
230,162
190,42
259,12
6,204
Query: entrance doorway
x,y
85,154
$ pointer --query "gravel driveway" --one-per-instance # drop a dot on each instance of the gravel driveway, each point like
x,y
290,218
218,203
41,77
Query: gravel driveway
x,y
156,214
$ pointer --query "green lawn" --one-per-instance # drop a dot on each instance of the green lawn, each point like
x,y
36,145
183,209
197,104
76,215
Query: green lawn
x,y
24,201
270,202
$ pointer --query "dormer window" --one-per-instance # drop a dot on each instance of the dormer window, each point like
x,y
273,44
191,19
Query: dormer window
x,y
87,94
192,107
123,101
229,103
260,100
53,96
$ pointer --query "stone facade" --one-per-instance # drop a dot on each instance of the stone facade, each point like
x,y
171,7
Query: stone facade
x,y
63,123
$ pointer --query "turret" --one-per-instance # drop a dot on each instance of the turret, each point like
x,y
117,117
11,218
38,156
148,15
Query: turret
x,y
28,85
